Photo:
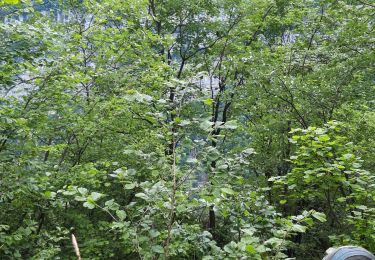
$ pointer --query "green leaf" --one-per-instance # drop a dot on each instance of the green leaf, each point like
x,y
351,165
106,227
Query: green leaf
x,y
80,198
142,196
299,228
89,204
121,214
130,186
361,207
192,160
177,120
50,194
208,101
261,249
83,191
249,151
319,216
96,195
184,123
111,204
250,249
11,2
154,233
206,125
323,138
157,249
230,125
348,156
228,191
274,241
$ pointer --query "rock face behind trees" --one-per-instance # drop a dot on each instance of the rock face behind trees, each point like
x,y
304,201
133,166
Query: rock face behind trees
x,y
175,129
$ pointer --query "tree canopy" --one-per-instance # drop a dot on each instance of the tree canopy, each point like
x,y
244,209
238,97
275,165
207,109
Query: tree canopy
x,y
172,129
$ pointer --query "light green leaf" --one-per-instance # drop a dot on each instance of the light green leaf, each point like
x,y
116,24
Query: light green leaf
x,y
154,233
319,216
95,196
121,214
11,2
157,249
83,191
250,249
230,125
228,191
89,204
142,196
192,160
130,186
348,156
206,125
208,101
361,207
324,138
299,228
249,151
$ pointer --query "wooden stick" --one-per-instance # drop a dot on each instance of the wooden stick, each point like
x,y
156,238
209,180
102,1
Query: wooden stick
x,y
76,248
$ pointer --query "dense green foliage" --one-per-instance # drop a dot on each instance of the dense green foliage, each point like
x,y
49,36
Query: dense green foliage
x,y
200,129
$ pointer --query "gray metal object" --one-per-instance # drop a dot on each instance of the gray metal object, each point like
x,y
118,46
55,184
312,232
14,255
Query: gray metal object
x,y
348,253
